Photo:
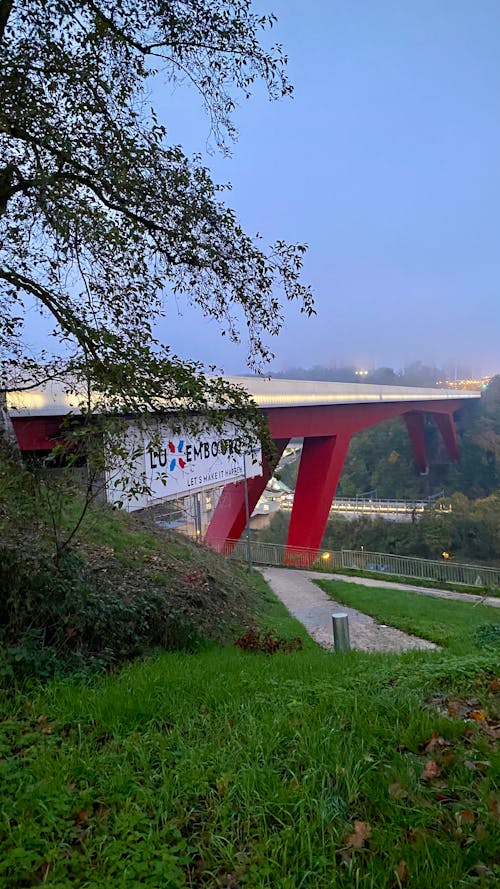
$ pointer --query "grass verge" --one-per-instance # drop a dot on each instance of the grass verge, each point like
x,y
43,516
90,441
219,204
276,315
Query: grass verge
x,y
452,624
420,581
229,769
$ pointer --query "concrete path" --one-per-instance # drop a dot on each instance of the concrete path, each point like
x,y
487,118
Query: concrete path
x,y
494,601
309,604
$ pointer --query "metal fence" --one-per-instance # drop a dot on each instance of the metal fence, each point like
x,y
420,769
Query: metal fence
x,y
383,507
425,569
279,556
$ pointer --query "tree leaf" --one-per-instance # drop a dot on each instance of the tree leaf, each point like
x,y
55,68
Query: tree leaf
x,y
397,791
431,770
402,871
361,833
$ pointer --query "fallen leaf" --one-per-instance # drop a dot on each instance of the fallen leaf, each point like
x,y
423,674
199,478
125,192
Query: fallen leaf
x,y
437,742
492,730
482,870
414,834
402,872
458,708
494,686
478,715
493,806
431,770
81,817
359,836
447,796
397,791
448,758
467,816
44,870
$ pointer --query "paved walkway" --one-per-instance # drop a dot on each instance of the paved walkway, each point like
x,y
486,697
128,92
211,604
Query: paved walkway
x,y
309,604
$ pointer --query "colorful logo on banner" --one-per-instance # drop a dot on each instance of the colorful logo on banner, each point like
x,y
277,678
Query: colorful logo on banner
x,y
176,453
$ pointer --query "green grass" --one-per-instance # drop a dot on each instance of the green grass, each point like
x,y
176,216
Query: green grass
x,y
418,581
230,769
448,622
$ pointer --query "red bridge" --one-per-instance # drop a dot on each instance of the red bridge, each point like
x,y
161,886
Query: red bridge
x,y
327,415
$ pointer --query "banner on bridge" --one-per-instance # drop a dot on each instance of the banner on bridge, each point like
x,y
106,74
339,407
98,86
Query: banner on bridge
x,y
167,465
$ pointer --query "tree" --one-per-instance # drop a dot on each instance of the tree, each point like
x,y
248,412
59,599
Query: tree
x,y
99,214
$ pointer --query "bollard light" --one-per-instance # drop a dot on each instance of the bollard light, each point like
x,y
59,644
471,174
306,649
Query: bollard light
x,y
341,641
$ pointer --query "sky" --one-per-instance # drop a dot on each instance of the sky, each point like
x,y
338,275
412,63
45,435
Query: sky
x,y
386,162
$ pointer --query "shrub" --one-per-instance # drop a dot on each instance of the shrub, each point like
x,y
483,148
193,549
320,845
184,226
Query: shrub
x,y
267,643
54,618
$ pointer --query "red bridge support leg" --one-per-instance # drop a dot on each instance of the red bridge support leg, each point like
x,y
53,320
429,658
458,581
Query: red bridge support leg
x,y
320,467
229,519
415,426
446,426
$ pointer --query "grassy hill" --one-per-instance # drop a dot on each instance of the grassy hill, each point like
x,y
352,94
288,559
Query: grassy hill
x,y
119,588
206,766
224,769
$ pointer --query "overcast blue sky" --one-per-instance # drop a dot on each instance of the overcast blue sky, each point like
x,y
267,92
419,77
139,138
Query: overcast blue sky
x,y
386,162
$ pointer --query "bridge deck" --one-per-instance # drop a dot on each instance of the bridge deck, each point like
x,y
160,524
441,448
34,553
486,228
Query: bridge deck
x,y
53,400
269,393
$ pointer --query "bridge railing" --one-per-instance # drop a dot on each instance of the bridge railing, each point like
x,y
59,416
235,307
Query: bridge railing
x,y
330,561
424,569
376,504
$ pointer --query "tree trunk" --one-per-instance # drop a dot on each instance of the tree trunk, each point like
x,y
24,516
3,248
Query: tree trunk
x,y
8,440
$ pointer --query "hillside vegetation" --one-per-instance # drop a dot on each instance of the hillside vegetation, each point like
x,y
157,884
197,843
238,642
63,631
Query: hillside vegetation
x,y
118,588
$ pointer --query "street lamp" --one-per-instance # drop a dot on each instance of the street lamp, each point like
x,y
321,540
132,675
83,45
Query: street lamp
x,y
247,517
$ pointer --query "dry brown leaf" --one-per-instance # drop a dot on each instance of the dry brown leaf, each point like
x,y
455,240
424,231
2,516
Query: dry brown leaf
x,y
448,758
357,839
458,708
81,817
492,730
402,871
482,870
431,770
494,686
397,791
478,715
493,806
44,870
437,742
467,816
414,834
446,795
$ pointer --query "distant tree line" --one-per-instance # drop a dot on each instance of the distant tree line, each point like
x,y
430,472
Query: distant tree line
x,y
415,374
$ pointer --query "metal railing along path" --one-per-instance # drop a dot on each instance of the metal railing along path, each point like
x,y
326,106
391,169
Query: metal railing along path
x,y
330,561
